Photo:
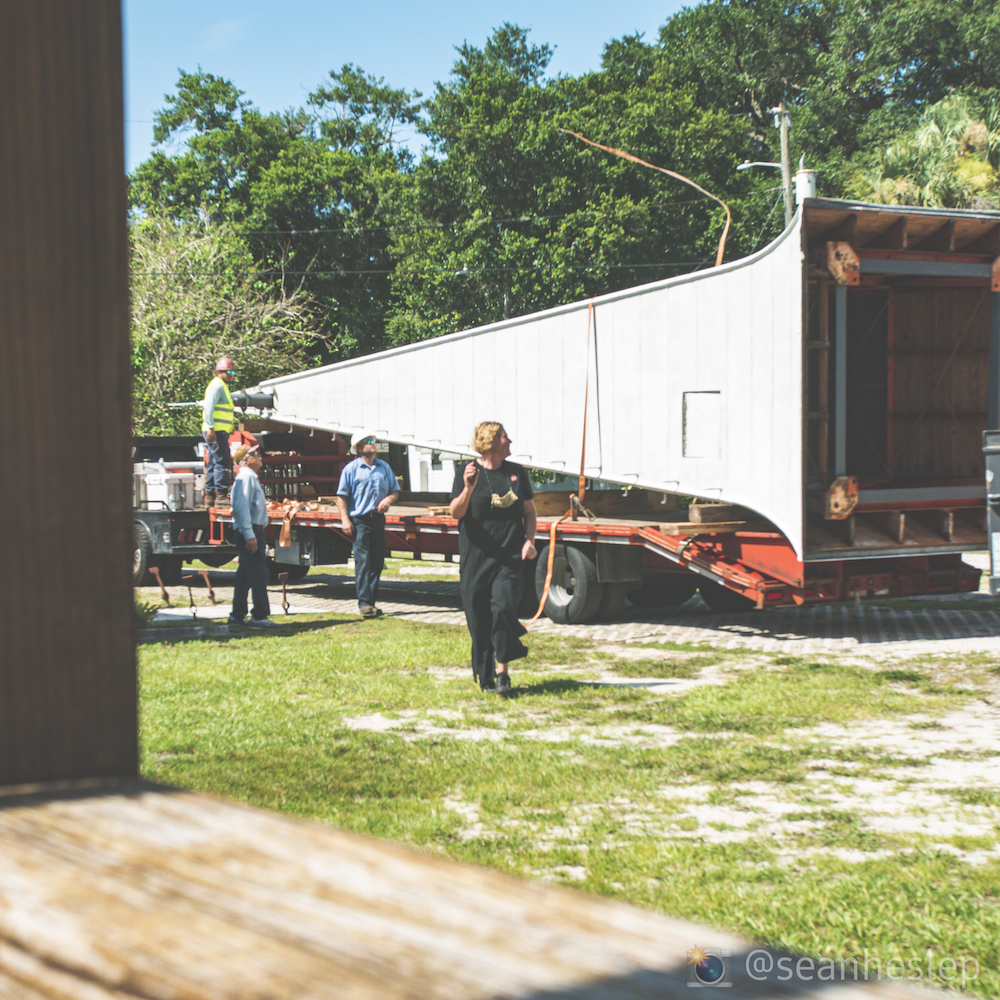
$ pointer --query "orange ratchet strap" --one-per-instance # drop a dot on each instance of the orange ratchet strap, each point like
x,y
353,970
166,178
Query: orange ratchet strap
x,y
581,483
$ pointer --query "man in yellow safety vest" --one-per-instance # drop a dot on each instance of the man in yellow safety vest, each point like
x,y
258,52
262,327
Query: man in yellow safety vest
x,y
216,424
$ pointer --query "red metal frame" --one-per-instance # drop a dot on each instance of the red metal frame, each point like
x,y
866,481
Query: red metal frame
x,y
761,566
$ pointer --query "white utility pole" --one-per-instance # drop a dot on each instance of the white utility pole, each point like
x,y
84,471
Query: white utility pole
x,y
783,120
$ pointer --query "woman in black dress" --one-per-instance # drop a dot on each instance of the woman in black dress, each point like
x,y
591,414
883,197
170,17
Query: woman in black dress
x,y
493,501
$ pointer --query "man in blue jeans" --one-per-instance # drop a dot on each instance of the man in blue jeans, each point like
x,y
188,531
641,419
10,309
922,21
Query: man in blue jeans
x,y
249,521
368,488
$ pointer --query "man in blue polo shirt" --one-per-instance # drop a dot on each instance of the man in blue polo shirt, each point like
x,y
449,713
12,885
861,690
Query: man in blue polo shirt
x,y
368,488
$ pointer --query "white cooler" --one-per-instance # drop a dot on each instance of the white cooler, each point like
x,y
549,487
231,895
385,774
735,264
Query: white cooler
x,y
154,487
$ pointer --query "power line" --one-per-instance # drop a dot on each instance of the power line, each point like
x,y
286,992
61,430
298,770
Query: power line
x,y
463,272
470,223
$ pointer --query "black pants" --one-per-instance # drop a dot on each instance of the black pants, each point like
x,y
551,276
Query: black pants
x,y
490,601
251,574
369,557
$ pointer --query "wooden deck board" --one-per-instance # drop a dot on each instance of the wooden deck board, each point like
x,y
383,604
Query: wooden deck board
x,y
154,893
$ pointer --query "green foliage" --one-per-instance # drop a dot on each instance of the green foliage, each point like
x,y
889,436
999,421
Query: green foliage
x,y
304,190
362,114
948,159
512,215
195,296
853,72
145,612
504,213
203,101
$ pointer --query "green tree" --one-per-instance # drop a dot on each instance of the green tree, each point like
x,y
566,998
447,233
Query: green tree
x,y
949,159
505,214
229,144
195,296
510,215
304,187
854,72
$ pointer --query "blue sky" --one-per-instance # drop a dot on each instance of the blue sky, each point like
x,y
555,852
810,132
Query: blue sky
x,y
277,52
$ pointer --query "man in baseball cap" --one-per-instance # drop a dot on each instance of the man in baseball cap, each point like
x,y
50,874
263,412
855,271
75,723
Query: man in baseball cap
x,y
249,522
368,488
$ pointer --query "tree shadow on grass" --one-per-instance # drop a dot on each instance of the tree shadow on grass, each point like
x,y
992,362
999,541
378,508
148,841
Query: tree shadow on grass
x,y
223,633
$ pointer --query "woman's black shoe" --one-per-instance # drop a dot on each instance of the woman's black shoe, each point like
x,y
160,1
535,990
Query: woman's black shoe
x,y
503,685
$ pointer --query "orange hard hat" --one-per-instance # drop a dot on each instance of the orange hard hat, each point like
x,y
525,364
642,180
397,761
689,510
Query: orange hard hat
x,y
224,365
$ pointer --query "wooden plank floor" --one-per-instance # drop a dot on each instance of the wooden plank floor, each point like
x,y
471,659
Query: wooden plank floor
x,y
141,891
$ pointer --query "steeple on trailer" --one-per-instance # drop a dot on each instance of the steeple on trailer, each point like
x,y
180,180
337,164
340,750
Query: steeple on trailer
x,y
836,383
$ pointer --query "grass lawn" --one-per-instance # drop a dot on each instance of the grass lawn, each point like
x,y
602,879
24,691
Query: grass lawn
x,y
826,806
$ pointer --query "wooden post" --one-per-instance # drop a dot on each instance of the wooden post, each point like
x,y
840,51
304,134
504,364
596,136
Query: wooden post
x,y
67,650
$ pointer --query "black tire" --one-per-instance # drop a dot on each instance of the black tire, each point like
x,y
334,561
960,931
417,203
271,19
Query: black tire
x,y
612,601
142,556
294,572
575,593
722,599
668,592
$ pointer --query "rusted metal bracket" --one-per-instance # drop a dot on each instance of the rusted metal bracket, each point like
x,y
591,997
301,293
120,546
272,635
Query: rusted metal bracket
x,y
155,571
203,573
578,508
841,498
843,263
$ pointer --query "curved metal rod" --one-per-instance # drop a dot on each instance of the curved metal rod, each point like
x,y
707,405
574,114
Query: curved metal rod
x,y
670,173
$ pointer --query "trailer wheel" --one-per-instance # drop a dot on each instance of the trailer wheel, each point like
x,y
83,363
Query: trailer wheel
x,y
575,593
612,601
142,555
671,592
722,599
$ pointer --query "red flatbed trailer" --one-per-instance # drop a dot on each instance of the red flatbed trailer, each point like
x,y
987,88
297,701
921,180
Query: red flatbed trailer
x,y
735,570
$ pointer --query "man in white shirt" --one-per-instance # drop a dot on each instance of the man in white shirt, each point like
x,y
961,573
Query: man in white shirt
x,y
249,520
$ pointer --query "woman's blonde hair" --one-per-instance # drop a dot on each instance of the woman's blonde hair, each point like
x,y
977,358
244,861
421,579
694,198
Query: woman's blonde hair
x,y
484,435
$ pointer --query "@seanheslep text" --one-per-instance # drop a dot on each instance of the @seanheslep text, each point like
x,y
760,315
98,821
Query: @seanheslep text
x,y
762,966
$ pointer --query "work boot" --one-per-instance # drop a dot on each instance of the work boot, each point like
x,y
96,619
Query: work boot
x,y
221,499
208,500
